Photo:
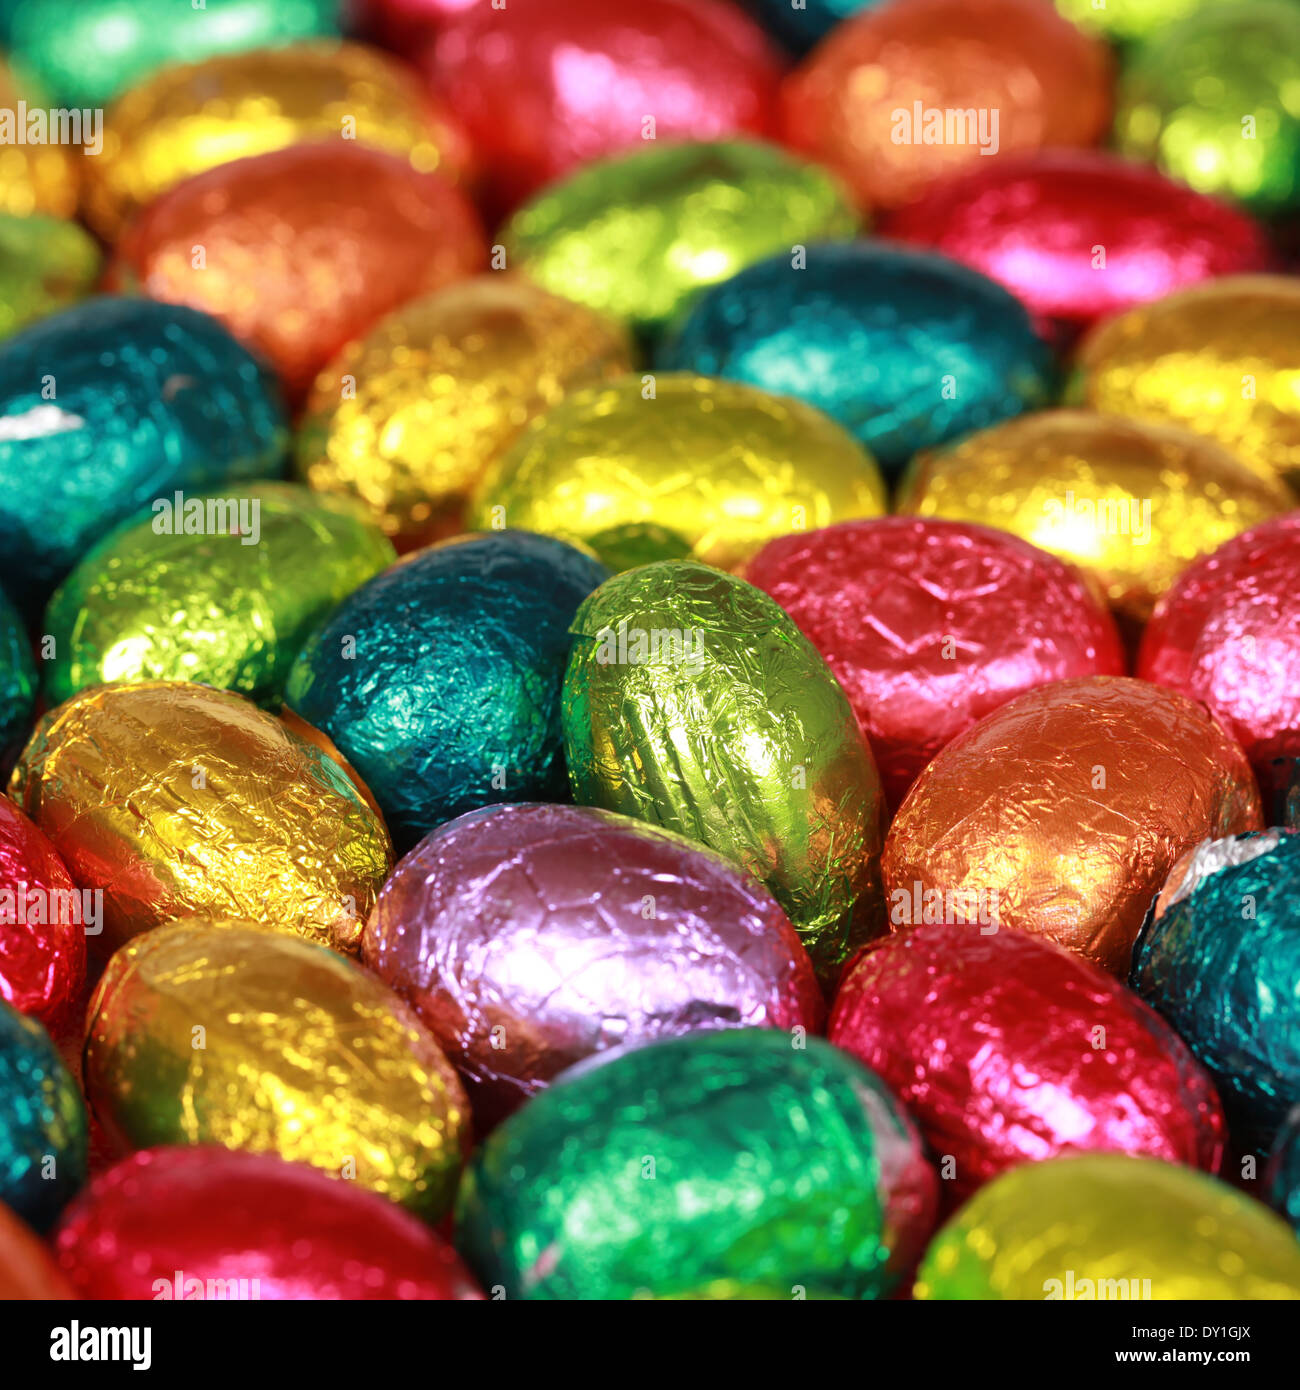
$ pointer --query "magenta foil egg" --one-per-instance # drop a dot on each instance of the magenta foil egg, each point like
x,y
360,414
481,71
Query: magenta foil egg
x,y
529,937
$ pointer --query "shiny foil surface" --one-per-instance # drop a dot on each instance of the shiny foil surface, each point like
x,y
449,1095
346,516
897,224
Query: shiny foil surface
x,y
42,1123
1220,962
544,86
1282,1181
148,399
717,1156
930,625
18,677
1129,503
440,679
35,178
949,350
529,937
174,799
302,249
1217,358
1006,1049
27,1268
230,610
1065,810
208,1032
408,417
46,264
638,235
692,701
204,1223
693,466
866,101
1110,1226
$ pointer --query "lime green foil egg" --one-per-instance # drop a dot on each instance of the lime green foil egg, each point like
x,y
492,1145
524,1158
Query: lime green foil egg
x,y
46,264
222,588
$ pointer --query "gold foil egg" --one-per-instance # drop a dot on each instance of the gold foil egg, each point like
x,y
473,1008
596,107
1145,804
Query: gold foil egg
x,y
177,799
712,468
218,1032
408,417
38,177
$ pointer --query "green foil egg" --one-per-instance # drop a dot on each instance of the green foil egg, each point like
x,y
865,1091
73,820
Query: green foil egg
x,y
173,596
1124,20
46,264
692,701
17,675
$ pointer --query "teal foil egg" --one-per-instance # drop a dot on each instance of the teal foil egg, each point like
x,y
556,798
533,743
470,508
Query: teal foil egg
x,y
17,675
1282,1182
800,24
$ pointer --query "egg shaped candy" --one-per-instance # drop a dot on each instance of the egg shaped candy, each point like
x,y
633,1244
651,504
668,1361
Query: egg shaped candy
x,y
172,799
904,348
18,677
37,178
46,264
27,1269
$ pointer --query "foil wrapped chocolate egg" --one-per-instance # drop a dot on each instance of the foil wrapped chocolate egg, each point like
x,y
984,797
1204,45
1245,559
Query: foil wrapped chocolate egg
x,y
18,678
930,625
37,178
156,600
440,679
1006,1049
27,1268
209,1223
210,1032
1064,810
408,417
905,348
1217,358
529,937
906,94
692,701
707,1158
170,799
1282,1181
300,250
109,404
691,465
638,235
46,264
42,1123
1129,503
1110,1226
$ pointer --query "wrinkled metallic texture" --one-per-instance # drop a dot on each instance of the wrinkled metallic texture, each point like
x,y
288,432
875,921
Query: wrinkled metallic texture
x,y
408,417
692,701
1006,1049
46,264
177,799
637,236
853,103
1131,504
1123,20
1187,93
187,1222
1065,810
1107,1226
110,404
42,1123
1282,1182
1076,235
799,29
440,679
930,625
544,86
18,676
303,249
303,1054
222,609
529,937
715,1156
715,468
1217,358
904,348
27,1269
35,178
1221,961
191,117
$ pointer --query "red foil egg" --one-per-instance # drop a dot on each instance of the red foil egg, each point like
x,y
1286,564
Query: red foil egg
x,y
400,25
929,625
1007,1049
204,1223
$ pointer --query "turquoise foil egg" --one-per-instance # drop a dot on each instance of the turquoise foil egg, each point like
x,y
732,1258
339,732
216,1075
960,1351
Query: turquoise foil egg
x,y
17,675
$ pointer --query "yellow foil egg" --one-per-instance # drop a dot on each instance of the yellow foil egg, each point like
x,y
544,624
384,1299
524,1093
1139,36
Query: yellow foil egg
x,y
216,1032
175,799
37,177
408,417
677,465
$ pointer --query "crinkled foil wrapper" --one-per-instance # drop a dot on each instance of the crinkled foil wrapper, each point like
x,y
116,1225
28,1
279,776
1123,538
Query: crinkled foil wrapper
x,y
301,1053
18,674
439,388
530,937
730,729
1064,811
46,264
1111,1226
174,799
718,466
215,609
27,1269
1282,1181
36,178
711,1157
